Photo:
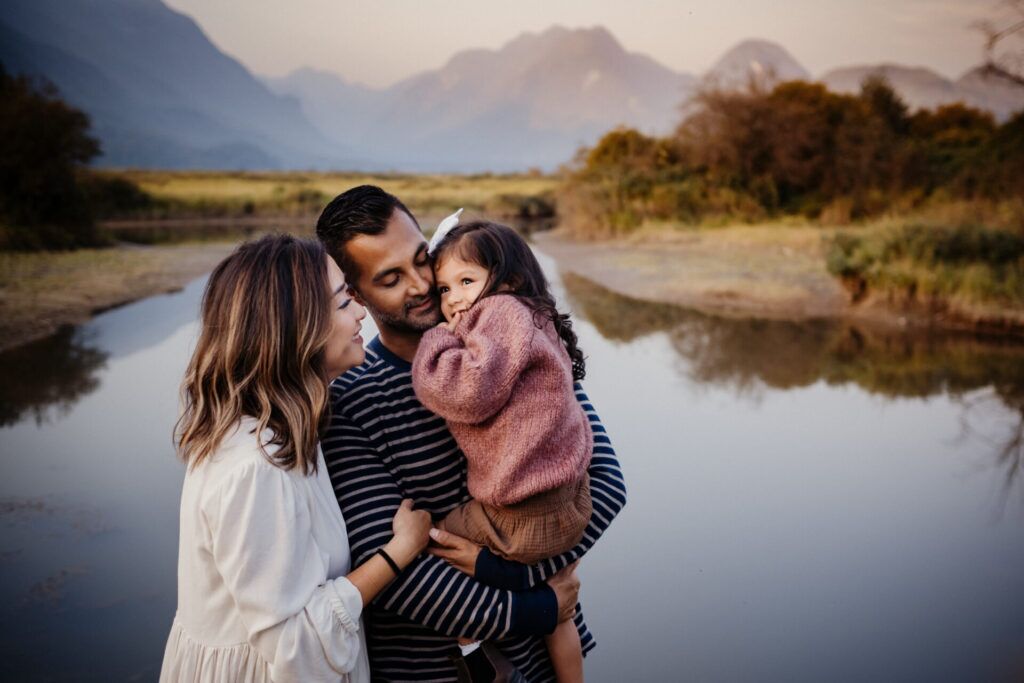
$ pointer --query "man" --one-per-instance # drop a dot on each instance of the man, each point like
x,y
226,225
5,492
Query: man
x,y
382,446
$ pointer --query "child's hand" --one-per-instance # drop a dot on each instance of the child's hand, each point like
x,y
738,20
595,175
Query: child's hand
x,y
454,322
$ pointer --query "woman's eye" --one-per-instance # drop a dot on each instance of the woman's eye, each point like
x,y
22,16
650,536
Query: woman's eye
x,y
344,304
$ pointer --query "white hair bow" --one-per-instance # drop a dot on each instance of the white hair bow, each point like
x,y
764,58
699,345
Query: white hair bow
x,y
443,228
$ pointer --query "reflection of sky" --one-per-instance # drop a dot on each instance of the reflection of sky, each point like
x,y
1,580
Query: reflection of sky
x,y
816,533
819,533
784,540
104,546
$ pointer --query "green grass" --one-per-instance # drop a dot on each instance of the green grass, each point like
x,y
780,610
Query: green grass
x,y
962,265
227,194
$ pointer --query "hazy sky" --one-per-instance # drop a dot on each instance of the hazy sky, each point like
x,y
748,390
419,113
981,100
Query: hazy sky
x,y
378,42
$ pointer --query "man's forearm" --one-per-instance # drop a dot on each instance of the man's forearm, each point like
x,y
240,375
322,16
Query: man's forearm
x,y
429,591
608,493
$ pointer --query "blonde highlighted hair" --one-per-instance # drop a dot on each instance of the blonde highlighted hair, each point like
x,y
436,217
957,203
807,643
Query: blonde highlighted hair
x,y
265,323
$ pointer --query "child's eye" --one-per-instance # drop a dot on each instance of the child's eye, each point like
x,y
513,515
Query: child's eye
x,y
442,290
466,281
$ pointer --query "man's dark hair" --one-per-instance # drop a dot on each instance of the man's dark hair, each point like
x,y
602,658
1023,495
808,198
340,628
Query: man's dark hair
x,y
363,210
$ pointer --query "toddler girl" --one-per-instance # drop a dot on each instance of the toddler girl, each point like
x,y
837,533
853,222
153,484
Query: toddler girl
x,y
501,372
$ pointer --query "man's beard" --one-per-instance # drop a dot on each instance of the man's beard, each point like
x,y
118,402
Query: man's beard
x,y
404,321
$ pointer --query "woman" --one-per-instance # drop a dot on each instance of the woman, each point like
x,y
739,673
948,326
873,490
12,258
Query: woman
x,y
265,591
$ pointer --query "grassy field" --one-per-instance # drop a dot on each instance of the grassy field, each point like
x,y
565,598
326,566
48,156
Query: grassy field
x,y
949,263
214,194
896,270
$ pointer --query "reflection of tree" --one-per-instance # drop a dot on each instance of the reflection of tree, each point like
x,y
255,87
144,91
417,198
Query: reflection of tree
x,y
785,354
52,372
1007,447
746,354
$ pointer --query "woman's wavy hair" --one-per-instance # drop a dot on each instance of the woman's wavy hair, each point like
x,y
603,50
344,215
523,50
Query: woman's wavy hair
x,y
264,325
509,262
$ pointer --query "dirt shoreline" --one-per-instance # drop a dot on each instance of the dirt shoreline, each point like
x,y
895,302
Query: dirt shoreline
x,y
40,293
742,272
753,273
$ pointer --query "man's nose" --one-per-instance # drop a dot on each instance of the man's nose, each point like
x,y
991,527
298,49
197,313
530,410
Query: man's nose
x,y
421,285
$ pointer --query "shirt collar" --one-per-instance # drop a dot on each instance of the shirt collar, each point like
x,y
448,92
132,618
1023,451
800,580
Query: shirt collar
x,y
382,352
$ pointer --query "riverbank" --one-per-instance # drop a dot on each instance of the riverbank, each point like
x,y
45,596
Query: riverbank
x,y
40,292
773,272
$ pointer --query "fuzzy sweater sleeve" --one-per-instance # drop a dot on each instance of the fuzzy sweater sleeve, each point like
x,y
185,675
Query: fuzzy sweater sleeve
x,y
468,375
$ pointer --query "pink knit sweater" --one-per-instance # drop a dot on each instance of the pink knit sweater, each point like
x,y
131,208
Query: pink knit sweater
x,y
506,389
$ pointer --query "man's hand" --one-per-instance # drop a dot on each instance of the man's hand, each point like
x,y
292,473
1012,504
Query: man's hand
x,y
457,551
567,590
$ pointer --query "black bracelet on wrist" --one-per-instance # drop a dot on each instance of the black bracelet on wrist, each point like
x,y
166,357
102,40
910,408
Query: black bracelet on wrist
x,y
391,563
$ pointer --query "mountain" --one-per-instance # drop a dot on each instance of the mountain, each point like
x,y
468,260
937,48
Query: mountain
x,y
339,109
161,95
158,91
988,90
758,61
531,102
919,87
922,88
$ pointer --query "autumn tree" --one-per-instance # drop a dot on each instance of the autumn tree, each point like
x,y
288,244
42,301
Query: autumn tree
x,y
44,145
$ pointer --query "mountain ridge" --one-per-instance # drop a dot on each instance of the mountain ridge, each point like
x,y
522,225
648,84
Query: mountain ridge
x,y
161,94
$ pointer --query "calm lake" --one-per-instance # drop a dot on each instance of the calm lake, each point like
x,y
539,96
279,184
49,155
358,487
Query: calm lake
x,y
807,502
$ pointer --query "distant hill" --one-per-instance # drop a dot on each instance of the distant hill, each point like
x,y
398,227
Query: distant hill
x,y
991,91
923,88
758,61
532,102
340,110
159,93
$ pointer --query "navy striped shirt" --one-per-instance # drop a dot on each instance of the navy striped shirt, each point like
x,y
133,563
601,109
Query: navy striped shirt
x,y
381,446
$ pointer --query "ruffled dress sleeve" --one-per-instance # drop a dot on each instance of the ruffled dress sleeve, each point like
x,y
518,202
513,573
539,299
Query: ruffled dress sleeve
x,y
305,626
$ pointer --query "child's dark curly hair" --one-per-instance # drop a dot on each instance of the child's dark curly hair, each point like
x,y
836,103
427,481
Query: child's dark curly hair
x,y
509,261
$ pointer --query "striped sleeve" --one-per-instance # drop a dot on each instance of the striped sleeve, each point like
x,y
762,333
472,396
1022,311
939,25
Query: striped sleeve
x,y
430,591
608,492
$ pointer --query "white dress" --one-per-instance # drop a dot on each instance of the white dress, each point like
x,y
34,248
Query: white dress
x,y
262,559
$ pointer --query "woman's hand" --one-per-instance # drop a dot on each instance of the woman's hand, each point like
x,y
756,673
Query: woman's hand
x,y
567,590
457,551
410,528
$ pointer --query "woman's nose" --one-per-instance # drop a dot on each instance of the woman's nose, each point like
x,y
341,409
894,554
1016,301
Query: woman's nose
x,y
360,311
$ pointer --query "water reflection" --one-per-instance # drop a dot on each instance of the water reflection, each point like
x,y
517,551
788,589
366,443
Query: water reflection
x,y
749,355
746,353
800,511
48,375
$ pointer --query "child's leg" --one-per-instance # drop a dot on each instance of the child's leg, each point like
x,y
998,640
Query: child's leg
x,y
566,652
